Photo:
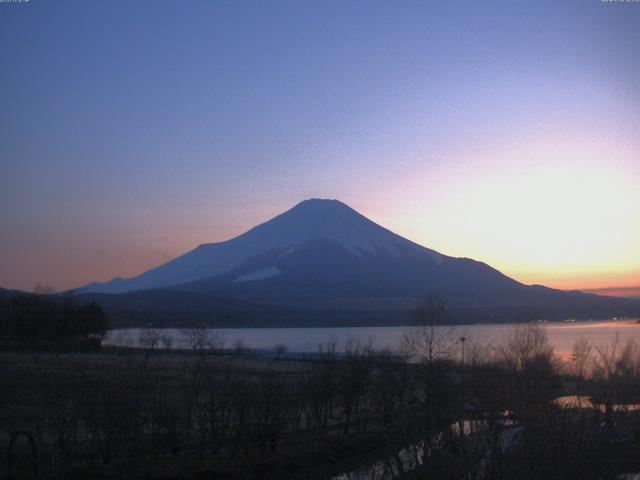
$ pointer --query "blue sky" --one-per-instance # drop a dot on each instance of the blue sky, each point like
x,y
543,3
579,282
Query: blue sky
x,y
132,131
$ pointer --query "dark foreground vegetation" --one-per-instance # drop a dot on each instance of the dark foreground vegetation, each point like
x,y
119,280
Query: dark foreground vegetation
x,y
47,322
422,412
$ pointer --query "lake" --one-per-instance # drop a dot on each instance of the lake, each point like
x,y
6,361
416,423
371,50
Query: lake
x,y
562,335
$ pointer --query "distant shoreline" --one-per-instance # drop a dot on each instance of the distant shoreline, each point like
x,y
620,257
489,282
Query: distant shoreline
x,y
308,340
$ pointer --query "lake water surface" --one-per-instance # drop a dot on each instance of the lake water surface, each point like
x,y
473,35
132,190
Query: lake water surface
x,y
562,335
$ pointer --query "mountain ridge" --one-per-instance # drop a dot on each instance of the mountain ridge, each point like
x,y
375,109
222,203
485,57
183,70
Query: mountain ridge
x,y
309,219
322,259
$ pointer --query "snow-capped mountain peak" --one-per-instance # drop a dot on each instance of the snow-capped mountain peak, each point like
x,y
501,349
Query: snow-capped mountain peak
x,y
327,219
314,219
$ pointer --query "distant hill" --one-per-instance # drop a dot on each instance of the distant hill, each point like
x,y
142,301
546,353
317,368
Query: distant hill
x,y
8,293
176,309
323,263
165,308
173,308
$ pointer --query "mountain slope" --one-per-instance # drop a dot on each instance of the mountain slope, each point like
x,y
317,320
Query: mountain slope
x,y
309,220
322,273
324,256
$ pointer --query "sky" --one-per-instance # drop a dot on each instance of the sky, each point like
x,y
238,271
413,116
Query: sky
x,y
507,132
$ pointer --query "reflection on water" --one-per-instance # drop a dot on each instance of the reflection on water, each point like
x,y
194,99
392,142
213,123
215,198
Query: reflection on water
x,y
406,460
306,340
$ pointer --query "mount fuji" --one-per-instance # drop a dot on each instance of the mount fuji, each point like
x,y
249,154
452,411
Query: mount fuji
x,y
322,255
320,239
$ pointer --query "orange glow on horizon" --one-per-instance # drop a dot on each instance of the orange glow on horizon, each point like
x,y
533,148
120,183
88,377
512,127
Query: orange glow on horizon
x,y
564,213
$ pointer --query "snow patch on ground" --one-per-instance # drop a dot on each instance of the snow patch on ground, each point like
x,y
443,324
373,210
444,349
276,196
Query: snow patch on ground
x,y
258,275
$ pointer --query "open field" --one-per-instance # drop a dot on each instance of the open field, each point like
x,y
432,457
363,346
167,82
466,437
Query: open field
x,y
114,413
159,414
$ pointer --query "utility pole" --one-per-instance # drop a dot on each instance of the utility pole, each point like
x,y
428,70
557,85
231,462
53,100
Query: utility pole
x,y
462,423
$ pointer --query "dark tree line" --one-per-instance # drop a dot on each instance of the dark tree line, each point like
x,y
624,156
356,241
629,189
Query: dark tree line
x,y
45,320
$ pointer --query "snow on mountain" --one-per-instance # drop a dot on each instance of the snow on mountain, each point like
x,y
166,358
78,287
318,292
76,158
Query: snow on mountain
x,y
322,255
262,274
309,220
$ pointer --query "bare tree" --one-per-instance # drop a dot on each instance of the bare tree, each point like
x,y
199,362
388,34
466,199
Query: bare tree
x,y
581,358
240,347
432,344
616,371
280,349
429,340
217,341
150,338
167,341
525,346
616,359
196,338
